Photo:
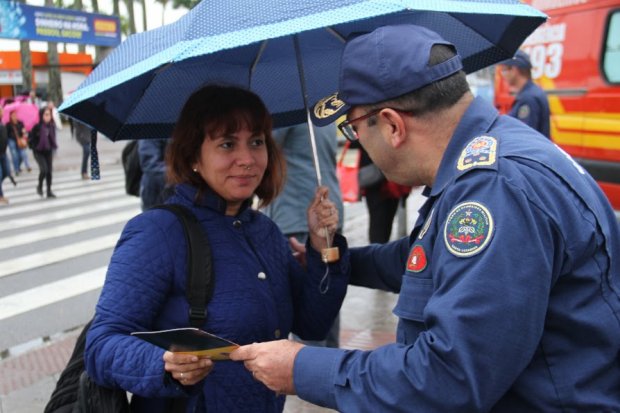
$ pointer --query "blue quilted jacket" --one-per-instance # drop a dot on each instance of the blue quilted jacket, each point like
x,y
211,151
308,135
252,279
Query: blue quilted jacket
x,y
145,290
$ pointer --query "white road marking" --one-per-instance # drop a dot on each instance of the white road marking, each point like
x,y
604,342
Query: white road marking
x,y
87,210
54,255
51,293
67,229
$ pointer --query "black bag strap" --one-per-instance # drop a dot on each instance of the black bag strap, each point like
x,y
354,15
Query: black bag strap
x,y
200,280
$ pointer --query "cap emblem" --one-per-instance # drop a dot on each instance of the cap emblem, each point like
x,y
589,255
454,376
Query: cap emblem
x,y
326,107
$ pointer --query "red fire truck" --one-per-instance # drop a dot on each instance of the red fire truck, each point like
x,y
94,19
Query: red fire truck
x,y
576,60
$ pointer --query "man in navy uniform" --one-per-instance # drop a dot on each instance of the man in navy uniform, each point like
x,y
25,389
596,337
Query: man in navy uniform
x,y
510,280
531,105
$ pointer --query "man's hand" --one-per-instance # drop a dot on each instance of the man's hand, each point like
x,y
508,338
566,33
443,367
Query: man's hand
x,y
271,363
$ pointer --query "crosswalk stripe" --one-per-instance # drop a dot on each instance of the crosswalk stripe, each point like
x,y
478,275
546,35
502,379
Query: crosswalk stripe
x,y
53,255
92,209
30,190
67,229
64,198
50,293
25,185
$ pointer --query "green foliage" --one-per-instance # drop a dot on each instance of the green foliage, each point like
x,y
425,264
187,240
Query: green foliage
x,y
188,4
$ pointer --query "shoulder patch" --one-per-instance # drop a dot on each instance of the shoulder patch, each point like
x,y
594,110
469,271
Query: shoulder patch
x,y
469,229
481,151
524,112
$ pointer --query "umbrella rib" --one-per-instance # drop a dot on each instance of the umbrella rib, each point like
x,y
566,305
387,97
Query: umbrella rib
x,y
261,50
336,34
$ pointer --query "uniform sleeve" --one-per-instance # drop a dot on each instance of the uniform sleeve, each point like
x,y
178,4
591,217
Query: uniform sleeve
x,y
138,281
317,297
483,316
373,266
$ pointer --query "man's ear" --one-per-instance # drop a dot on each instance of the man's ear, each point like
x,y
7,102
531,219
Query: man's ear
x,y
393,127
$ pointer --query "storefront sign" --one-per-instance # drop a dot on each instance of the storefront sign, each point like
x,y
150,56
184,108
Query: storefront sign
x,y
49,24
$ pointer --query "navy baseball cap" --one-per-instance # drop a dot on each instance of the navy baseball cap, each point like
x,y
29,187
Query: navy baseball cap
x,y
520,59
387,63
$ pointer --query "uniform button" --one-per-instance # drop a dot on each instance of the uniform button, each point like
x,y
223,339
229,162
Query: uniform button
x,y
276,333
262,275
237,224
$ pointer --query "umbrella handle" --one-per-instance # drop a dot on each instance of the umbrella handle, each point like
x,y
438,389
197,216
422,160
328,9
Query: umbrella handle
x,y
329,254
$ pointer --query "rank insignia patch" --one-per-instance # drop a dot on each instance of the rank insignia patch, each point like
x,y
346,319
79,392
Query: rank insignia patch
x,y
479,152
417,259
469,229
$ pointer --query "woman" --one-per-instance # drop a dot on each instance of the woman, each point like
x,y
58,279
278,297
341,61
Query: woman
x,y
15,129
221,155
5,172
43,144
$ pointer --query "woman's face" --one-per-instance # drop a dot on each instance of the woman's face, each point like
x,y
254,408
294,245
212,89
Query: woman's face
x,y
233,165
13,117
47,116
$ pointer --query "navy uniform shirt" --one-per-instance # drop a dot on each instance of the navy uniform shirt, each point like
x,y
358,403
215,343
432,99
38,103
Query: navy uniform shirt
x,y
532,107
509,301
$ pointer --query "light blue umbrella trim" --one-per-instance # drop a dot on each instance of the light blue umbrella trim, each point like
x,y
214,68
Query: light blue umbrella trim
x,y
345,14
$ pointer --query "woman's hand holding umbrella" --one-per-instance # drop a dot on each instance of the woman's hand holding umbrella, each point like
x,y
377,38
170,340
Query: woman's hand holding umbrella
x,y
322,224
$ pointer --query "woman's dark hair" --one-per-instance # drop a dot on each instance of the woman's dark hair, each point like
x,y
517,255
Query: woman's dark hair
x,y
216,109
42,111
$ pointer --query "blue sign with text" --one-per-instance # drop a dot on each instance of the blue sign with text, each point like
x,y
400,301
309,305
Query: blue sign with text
x,y
48,24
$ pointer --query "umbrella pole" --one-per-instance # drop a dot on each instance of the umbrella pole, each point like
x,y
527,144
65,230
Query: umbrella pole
x,y
329,254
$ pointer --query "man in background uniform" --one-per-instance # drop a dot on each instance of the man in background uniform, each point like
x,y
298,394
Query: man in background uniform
x,y
531,105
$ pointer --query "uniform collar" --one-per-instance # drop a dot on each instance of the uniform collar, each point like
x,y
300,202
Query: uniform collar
x,y
476,121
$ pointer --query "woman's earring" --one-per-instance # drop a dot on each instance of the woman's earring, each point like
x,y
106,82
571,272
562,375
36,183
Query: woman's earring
x,y
195,169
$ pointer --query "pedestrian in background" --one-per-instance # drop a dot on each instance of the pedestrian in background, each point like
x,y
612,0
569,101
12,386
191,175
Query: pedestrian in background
x,y
81,133
34,99
152,157
55,115
509,284
43,144
382,198
531,105
17,144
288,210
5,171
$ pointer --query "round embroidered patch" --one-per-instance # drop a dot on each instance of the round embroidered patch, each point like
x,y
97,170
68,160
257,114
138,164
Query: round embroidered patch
x,y
469,229
523,112
417,259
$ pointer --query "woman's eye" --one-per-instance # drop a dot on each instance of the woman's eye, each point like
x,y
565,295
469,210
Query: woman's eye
x,y
258,142
227,145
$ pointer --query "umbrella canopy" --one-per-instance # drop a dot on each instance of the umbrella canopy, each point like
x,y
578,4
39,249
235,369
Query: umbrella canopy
x,y
28,113
140,88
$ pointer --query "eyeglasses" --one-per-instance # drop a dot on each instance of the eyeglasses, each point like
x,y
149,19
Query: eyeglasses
x,y
349,131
